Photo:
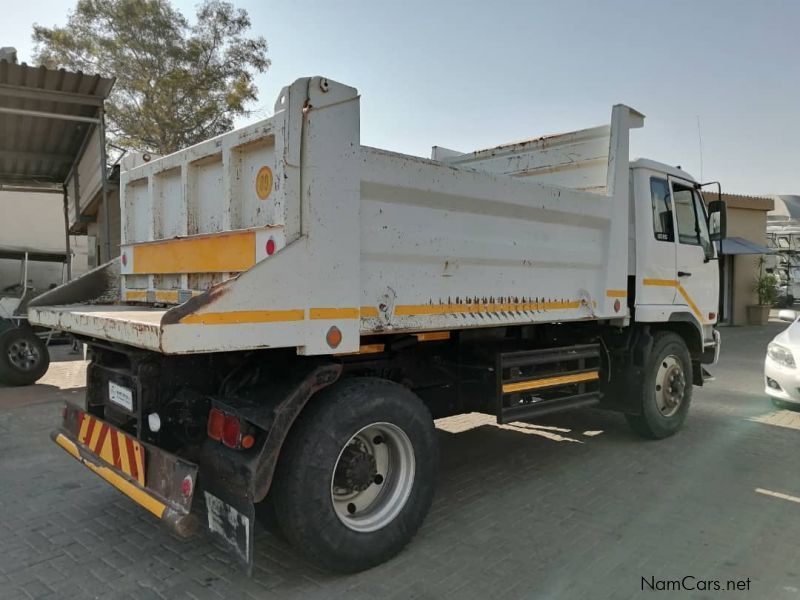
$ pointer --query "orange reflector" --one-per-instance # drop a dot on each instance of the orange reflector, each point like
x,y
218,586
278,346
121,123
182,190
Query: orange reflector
x,y
432,336
248,441
334,337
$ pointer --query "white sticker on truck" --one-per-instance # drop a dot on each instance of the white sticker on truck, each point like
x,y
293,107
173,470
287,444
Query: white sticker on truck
x,y
230,524
121,396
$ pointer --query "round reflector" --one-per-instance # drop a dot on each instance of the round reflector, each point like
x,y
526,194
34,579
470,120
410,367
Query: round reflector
x,y
334,337
270,247
187,486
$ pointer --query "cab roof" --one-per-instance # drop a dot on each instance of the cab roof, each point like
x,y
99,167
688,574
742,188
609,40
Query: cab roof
x,y
646,163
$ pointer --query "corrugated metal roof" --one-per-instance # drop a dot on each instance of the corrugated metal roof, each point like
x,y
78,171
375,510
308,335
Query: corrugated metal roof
x,y
37,149
764,203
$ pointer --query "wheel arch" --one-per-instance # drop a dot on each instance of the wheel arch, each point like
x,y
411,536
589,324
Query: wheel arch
x,y
686,326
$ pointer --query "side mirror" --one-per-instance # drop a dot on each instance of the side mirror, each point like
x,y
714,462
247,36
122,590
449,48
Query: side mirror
x,y
717,220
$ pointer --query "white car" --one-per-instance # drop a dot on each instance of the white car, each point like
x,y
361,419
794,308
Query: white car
x,y
781,372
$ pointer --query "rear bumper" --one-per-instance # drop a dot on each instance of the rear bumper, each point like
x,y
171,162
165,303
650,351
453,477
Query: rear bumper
x,y
163,493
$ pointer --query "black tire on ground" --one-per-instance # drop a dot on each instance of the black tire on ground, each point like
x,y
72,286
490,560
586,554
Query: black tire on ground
x,y
669,357
303,489
23,357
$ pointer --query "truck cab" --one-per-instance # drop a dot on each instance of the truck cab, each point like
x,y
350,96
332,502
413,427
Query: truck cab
x,y
675,262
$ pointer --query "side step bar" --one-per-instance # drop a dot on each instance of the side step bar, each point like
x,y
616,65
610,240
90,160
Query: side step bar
x,y
538,382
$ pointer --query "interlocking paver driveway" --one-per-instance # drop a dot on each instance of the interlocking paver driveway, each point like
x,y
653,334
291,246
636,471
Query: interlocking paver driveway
x,y
573,506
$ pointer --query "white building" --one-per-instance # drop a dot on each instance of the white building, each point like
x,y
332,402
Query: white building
x,y
36,222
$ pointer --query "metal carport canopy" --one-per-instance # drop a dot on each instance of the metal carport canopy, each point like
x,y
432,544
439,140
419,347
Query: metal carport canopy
x,y
47,117
737,245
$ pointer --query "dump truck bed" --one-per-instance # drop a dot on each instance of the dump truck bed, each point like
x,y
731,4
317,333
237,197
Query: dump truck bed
x,y
289,233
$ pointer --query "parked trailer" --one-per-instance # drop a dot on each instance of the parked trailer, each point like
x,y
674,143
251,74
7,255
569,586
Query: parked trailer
x,y
292,309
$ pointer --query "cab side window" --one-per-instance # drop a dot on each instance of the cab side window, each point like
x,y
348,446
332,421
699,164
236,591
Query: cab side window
x,y
691,218
662,210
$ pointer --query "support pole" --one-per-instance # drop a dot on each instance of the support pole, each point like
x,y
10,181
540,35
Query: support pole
x,y
66,231
106,231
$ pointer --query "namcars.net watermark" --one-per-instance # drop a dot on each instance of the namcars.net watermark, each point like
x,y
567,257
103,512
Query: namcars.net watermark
x,y
690,583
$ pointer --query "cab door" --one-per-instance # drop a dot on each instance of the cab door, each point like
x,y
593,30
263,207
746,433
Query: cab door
x,y
696,266
656,247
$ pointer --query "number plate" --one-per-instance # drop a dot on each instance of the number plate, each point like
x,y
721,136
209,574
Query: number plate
x,y
121,396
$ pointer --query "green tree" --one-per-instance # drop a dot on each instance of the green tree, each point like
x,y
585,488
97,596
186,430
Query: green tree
x,y
177,82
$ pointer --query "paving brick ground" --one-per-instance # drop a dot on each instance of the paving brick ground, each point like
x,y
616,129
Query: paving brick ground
x,y
573,506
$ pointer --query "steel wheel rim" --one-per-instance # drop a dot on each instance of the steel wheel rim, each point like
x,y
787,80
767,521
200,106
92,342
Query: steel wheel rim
x,y
23,355
670,385
373,477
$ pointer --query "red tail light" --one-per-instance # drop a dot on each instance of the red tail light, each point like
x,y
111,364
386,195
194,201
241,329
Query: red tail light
x,y
231,432
216,424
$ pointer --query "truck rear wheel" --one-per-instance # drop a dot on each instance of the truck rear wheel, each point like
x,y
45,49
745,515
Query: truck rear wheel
x,y
357,475
23,357
666,388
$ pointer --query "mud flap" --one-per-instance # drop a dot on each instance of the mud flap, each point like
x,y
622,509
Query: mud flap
x,y
231,521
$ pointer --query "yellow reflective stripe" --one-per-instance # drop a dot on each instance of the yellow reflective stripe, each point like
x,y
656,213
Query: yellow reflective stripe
x,y
365,349
270,316
273,316
68,446
166,296
617,293
136,494
244,316
95,434
124,459
484,307
432,336
662,282
139,466
333,313
136,295
212,253
535,384
691,303
84,427
368,312
106,451
681,290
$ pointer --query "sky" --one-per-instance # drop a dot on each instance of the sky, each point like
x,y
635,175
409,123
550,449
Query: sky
x,y
722,76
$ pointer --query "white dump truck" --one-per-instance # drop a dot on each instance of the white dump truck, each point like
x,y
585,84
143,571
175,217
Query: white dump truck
x,y
291,310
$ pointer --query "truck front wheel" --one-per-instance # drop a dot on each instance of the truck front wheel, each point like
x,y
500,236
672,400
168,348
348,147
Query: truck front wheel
x,y
357,475
665,388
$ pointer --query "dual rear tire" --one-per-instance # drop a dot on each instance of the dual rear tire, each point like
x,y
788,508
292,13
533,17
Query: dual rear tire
x,y
357,474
